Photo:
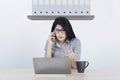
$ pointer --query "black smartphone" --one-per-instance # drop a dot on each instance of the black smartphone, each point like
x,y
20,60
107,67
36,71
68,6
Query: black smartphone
x,y
53,39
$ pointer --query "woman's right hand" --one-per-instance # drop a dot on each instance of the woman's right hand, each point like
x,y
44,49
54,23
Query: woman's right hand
x,y
51,38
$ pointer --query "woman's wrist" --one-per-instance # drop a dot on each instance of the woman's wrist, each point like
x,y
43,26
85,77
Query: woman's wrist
x,y
50,45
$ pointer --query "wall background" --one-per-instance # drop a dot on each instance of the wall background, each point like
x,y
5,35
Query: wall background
x,y
22,39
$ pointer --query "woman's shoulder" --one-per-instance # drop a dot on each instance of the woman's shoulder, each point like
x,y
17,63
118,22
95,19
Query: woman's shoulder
x,y
75,40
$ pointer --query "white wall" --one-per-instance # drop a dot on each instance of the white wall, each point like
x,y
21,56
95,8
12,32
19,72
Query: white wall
x,y
22,39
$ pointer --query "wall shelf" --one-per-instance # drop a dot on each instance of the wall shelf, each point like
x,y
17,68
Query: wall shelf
x,y
71,9
52,17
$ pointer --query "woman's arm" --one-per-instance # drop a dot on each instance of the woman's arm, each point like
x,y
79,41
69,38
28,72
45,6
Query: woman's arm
x,y
49,51
49,46
71,55
75,52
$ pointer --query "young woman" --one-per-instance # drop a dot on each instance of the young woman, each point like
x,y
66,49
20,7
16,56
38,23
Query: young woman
x,y
62,41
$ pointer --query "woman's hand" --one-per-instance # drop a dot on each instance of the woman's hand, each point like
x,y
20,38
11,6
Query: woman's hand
x,y
51,38
71,55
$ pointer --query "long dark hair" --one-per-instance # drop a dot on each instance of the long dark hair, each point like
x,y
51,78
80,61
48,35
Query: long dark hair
x,y
64,22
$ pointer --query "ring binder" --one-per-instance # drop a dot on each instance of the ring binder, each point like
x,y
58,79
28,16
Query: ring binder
x,y
54,8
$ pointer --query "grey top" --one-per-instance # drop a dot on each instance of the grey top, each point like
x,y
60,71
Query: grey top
x,y
61,52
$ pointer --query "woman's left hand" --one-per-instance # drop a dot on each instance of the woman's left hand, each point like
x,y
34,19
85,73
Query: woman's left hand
x,y
71,55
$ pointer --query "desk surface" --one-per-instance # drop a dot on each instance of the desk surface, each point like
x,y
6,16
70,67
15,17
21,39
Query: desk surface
x,y
28,74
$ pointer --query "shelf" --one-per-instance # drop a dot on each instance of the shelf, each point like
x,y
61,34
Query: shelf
x,y
52,17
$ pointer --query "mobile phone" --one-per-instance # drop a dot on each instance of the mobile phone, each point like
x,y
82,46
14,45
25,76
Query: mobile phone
x,y
53,39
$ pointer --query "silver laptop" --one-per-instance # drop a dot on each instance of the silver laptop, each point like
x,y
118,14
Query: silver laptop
x,y
52,65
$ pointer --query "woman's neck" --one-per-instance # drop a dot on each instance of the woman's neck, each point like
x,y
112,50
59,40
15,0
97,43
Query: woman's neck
x,y
60,43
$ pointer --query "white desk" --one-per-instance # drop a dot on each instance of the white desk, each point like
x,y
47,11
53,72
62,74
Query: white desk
x,y
28,74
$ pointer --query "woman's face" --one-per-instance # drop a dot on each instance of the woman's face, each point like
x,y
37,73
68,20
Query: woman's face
x,y
60,33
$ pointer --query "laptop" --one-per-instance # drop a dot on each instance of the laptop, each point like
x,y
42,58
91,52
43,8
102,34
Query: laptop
x,y
52,65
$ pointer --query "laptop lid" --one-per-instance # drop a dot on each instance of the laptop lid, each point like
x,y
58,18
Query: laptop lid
x,y
52,65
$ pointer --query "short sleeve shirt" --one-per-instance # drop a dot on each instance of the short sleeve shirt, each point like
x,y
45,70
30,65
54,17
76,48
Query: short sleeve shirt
x,y
61,52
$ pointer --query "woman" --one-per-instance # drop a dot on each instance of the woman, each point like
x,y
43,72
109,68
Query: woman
x,y
62,41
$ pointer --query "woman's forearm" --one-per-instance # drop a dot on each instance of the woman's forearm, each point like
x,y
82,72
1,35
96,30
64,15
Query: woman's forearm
x,y
49,51
74,65
50,43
